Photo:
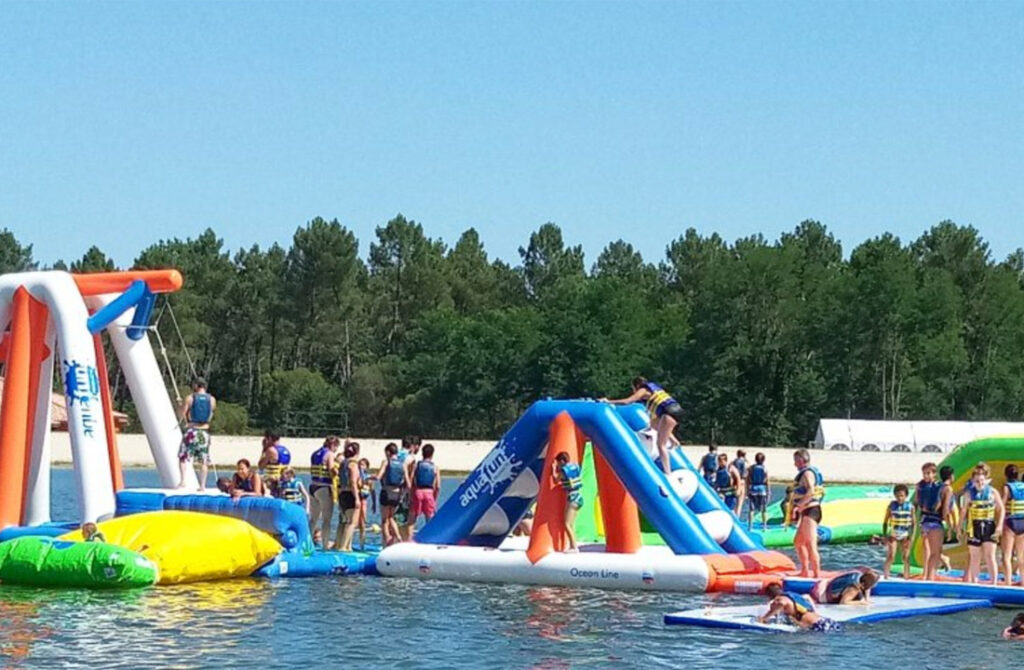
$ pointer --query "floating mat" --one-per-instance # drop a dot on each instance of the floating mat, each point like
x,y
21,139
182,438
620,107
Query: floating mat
x,y
880,609
191,546
44,561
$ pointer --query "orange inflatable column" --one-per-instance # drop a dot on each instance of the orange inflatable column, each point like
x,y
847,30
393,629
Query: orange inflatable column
x,y
38,318
548,532
14,412
618,509
114,458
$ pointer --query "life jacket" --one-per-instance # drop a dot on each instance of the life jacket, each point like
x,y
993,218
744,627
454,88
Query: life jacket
x,y
658,401
344,479
243,484
571,477
424,475
284,457
201,409
723,482
929,498
741,466
983,507
709,464
801,603
901,516
365,485
1015,505
289,491
758,479
835,586
394,474
319,474
819,489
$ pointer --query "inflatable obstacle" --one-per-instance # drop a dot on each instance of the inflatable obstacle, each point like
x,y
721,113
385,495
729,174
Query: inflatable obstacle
x,y
706,548
45,561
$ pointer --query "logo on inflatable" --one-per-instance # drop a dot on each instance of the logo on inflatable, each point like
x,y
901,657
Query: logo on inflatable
x,y
82,386
647,577
498,468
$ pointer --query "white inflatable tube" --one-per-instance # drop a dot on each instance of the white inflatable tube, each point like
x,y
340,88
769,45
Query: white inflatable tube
x,y
37,498
78,370
650,569
146,383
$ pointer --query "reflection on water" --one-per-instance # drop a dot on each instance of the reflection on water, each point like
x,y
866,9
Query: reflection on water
x,y
403,623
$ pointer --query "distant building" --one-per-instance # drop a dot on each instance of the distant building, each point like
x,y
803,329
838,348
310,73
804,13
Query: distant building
x,y
908,436
59,413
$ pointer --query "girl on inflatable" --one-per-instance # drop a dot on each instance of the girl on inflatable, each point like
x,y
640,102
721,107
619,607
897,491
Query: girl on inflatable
x,y
665,412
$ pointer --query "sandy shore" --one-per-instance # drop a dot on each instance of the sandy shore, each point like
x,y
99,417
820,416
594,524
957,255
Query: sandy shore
x,y
458,456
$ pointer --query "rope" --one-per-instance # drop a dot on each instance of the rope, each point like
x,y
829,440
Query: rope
x,y
181,338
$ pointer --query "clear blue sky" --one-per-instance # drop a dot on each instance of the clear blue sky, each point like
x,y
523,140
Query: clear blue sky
x,y
123,123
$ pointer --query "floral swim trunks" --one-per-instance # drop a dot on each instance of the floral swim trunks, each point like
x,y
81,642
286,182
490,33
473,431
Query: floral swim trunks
x,y
195,446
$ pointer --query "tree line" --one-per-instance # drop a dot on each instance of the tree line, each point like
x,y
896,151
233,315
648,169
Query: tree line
x,y
758,339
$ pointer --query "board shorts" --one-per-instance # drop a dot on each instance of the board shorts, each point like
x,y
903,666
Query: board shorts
x,y
423,502
826,625
981,532
1015,526
758,502
930,526
389,497
195,446
575,499
347,501
730,501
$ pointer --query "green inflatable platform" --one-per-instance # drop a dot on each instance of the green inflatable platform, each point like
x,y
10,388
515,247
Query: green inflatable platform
x,y
45,561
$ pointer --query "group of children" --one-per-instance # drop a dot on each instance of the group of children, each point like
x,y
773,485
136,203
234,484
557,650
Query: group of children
x,y
408,478
736,482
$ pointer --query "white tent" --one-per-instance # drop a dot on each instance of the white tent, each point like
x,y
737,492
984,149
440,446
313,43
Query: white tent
x,y
908,436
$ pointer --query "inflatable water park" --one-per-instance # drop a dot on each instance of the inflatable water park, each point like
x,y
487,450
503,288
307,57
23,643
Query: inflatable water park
x,y
642,528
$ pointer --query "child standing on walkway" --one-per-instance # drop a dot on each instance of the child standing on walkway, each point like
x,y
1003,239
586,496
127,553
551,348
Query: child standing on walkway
x,y
568,475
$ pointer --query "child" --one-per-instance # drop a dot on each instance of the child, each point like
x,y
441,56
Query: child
x,y
392,482
90,533
726,481
568,475
1013,533
758,492
349,483
798,609
898,527
740,465
853,587
292,489
365,494
1016,629
983,516
928,501
426,485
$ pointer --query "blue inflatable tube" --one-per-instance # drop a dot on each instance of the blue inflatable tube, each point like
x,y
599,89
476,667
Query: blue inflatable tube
x,y
52,529
998,595
320,563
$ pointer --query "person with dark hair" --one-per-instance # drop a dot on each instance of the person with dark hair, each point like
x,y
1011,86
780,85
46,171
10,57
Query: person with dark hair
x,y
847,588
1013,533
798,609
246,481
740,464
197,412
808,492
982,519
664,410
727,481
349,483
928,501
321,494
709,464
366,499
392,478
949,504
273,459
759,491
898,528
426,486
407,457
569,477
1016,628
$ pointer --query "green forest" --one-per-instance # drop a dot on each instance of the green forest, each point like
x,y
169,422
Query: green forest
x,y
758,339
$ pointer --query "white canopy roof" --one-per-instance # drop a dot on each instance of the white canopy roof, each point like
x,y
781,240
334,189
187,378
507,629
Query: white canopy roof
x,y
927,436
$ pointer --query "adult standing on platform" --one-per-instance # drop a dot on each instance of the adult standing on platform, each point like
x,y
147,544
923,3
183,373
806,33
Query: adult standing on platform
x,y
321,504
808,492
197,412
664,410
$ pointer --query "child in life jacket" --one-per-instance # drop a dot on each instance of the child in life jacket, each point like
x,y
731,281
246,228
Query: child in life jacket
x,y
291,488
982,519
366,498
898,528
568,476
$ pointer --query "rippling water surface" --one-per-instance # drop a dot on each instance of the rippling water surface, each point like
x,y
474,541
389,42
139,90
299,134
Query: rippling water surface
x,y
397,623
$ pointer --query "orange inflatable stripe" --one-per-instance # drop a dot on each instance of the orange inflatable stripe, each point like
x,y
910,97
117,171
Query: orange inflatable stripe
x,y
749,562
99,283
548,532
113,457
618,510
38,316
14,414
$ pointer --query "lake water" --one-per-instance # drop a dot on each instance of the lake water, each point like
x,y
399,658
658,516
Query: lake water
x,y
363,622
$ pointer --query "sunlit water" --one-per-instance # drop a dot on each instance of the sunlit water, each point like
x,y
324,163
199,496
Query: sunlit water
x,y
399,623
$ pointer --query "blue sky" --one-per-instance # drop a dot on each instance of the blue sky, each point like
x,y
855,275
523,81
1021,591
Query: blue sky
x,y
123,123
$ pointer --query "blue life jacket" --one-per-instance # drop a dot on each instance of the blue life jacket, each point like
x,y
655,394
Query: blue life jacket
x,y
800,490
424,475
1015,506
709,464
344,481
723,482
394,474
983,506
929,497
802,603
284,457
835,586
243,484
901,516
317,470
758,479
289,491
367,487
571,480
201,409
741,466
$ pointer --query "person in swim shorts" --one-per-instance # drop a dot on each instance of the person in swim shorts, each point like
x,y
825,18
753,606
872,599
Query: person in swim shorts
x,y
665,412
197,412
798,609
567,474
321,490
848,588
758,492
426,486
808,492
1013,532
982,520
407,456
392,478
928,503
349,483
727,481
898,528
